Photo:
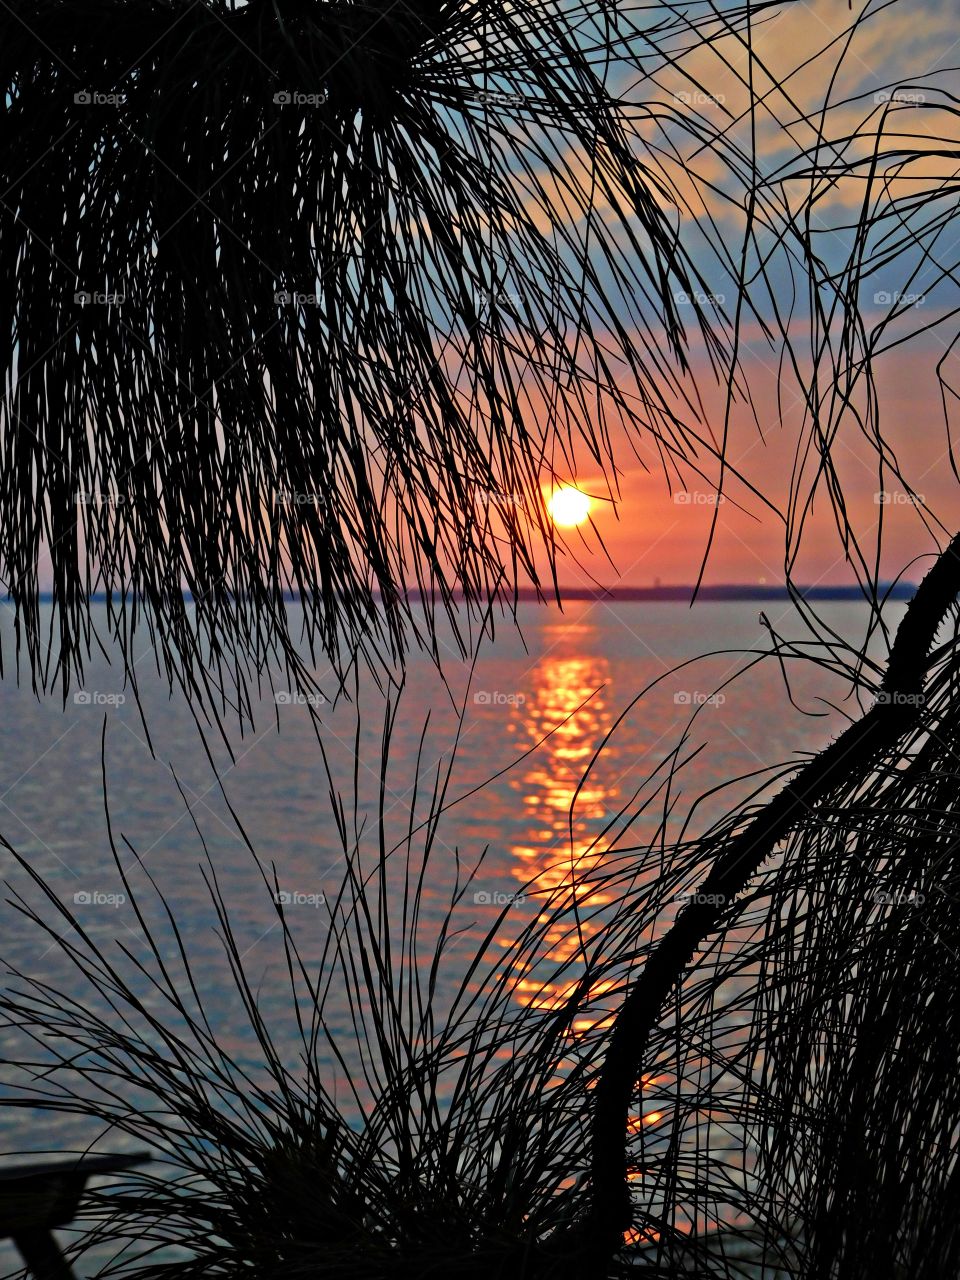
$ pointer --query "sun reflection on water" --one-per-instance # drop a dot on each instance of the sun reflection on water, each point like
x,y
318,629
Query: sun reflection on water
x,y
563,848
568,712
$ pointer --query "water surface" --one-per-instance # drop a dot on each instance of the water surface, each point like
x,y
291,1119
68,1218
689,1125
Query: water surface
x,y
538,706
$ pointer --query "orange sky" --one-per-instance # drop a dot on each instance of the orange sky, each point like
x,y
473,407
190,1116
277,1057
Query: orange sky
x,y
899,49
655,536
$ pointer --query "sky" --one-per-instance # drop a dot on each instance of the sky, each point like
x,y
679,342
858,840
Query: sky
x,y
655,535
906,51
892,74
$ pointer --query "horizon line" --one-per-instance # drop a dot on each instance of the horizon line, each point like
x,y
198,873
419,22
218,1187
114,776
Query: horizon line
x,y
663,592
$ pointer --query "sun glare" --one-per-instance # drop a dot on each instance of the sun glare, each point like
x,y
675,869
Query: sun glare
x,y
568,507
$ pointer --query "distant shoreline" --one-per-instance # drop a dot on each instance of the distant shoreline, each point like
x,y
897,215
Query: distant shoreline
x,y
661,593
728,591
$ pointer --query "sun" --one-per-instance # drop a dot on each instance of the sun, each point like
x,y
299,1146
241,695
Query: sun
x,y
568,507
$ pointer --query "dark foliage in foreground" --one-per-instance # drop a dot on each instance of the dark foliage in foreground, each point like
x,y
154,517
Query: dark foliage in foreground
x,y
860,788
805,1064
805,1072
324,297
319,298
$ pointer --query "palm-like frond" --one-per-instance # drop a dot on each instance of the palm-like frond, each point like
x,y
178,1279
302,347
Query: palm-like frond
x,y
434,1127
317,298
350,339
801,1011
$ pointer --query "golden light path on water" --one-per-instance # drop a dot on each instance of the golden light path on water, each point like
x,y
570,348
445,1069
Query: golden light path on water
x,y
570,710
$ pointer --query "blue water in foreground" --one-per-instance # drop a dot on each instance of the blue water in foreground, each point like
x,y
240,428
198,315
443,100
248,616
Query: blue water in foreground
x,y
572,673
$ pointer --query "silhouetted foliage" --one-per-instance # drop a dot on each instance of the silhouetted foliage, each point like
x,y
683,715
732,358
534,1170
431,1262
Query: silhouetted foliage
x,y
354,330
317,298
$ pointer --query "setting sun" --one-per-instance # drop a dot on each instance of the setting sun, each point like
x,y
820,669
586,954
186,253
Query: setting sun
x,y
568,507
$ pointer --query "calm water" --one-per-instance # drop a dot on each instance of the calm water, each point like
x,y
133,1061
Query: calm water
x,y
562,684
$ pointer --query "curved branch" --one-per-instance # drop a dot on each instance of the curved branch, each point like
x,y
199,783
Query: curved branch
x,y
896,710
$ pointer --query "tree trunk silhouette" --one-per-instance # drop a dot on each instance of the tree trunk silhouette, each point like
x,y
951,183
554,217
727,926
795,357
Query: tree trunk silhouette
x,y
896,710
